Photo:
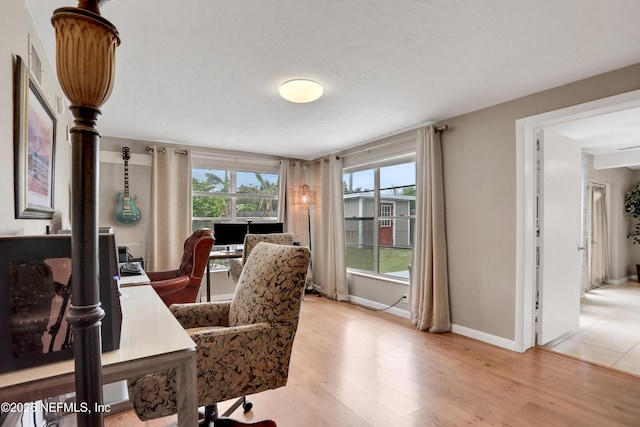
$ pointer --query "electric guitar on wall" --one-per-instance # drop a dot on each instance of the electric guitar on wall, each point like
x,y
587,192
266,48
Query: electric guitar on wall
x,y
127,212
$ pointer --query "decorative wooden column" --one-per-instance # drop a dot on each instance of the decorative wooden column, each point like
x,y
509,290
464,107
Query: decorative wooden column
x,y
85,53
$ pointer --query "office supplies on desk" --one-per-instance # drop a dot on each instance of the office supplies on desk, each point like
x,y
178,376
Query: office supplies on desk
x,y
130,269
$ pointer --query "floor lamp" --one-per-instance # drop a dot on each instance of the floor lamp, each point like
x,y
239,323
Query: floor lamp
x,y
85,62
303,198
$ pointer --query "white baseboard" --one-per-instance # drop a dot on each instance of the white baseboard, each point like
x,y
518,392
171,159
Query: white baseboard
x,y
621,281
460,330
484,337
376,305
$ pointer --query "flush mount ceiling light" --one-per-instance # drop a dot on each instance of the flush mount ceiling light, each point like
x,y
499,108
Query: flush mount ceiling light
x,y
301,91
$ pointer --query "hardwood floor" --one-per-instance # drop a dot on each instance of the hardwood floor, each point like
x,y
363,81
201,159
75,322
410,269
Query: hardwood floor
x,y
354,367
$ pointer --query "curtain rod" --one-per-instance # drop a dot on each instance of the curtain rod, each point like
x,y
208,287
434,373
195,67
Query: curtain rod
x,y
438,129
163,150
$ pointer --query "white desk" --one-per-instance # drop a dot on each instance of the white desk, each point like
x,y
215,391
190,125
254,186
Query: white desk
x,y
152,340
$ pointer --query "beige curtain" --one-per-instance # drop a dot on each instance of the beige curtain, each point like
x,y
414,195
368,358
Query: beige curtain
x,y
170,216
293,174
599,248
328,234
429,289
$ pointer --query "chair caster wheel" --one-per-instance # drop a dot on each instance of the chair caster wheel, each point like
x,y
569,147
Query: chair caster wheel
x,y
247,406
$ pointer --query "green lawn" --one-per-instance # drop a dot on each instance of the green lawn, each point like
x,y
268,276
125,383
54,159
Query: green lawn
x,y
391,259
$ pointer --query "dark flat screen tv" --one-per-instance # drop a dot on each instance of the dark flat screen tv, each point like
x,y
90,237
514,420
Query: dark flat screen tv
x,y
35,298
266,227
229,233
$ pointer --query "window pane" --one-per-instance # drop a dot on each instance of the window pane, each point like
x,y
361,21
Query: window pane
x,y
257,183
359,240
211,180
398,176
357,182
210,207
257,208
201,223
396,246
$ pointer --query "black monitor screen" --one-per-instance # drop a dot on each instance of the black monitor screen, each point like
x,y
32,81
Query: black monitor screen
x,y
266,227
229,234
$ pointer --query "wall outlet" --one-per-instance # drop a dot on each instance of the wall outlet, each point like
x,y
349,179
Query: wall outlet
x,y
405,298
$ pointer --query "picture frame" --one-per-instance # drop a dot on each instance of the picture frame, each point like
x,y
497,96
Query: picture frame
x,y
34,130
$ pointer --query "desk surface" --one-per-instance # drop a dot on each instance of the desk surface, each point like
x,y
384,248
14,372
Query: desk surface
x,y
148,329
224,254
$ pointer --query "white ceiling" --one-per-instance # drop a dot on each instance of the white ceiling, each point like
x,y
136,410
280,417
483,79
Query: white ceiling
x,y
206,72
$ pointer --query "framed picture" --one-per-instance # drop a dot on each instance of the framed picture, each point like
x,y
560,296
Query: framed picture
x,y
34,130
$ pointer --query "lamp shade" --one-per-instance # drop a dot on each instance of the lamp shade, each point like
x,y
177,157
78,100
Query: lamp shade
x,y
85,55
304,197
301,91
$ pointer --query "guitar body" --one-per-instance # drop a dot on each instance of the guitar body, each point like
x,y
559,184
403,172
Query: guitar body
x,y
126,212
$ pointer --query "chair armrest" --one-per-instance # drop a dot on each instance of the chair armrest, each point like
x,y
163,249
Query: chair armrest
x,y
202,314
258,339
235,268
161,275
170,286
242,360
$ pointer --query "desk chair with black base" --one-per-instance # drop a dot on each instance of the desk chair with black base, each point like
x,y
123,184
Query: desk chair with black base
x,y
242,346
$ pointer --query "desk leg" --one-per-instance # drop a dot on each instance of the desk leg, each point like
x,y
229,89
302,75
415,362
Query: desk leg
x,y
187,392
208,282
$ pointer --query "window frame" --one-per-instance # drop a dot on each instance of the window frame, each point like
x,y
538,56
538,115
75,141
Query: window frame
x,y
378,218
234,165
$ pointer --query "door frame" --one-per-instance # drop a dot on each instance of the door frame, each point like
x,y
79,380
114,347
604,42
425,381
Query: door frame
x,y
526,205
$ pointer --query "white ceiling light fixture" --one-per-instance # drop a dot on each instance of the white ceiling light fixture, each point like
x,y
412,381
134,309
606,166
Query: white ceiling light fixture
x,y
301,91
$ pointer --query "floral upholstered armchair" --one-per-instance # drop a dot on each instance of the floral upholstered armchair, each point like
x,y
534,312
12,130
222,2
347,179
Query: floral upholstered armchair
x,y
242,346
250,241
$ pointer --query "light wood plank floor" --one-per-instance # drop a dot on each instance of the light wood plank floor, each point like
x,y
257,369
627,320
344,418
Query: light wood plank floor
x,y
354,367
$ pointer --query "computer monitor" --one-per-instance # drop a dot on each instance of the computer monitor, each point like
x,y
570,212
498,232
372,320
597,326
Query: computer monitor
x,y
35,298
229,233
266,227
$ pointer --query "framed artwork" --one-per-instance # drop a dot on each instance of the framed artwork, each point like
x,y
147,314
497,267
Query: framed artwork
x,y
34,130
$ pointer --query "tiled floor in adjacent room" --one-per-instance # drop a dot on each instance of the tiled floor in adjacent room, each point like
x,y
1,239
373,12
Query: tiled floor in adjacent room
x,y
609,332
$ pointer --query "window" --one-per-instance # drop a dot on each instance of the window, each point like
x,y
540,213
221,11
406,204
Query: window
x,y
379,206
224,194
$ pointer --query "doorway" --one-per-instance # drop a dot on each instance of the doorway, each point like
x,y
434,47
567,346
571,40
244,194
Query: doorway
x,y
527,249
385,235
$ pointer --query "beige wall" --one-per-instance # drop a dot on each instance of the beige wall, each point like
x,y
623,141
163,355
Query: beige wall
x,y
15,33
480,199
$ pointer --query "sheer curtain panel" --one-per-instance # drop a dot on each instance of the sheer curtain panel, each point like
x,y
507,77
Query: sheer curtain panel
x,y
429,286
293,174
170,213
328,250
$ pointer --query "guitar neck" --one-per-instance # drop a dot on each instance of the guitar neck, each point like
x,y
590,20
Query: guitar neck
x,y
126,179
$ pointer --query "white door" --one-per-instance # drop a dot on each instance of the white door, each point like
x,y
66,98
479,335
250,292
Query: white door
x,y
560,242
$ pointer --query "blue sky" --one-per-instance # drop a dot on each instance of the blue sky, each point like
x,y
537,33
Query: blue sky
x,y
390,176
